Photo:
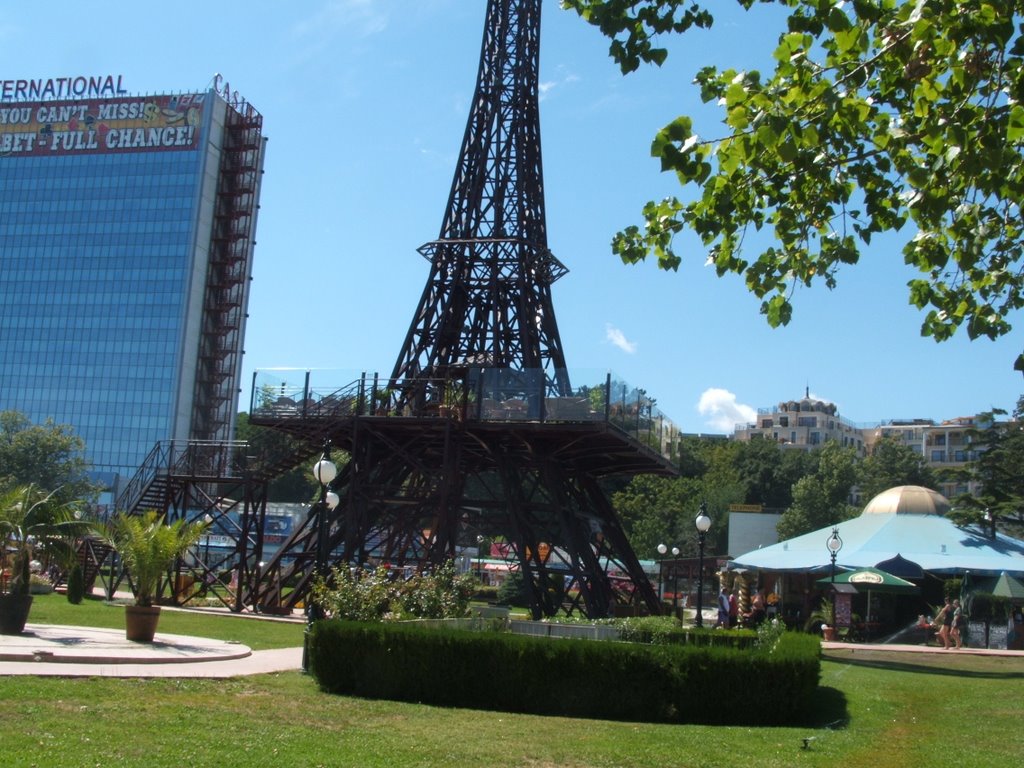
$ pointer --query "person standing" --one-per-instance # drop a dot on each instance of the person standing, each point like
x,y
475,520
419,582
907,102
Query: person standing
x,y
734,608
956,628
755,615
945,622
723,608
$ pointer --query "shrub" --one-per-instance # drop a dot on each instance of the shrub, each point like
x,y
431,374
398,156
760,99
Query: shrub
x,y
76,584
487,594
357,594
988,607
572,678
664,630
513,592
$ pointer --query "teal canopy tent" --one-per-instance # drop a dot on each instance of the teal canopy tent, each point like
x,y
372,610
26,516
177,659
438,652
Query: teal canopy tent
x,y
907,522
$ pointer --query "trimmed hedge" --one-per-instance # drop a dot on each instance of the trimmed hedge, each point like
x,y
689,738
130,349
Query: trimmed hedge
x,y
656,631
572,678
983,606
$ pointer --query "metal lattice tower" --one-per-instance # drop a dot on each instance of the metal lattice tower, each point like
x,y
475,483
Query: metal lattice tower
x,y
487,301
429,475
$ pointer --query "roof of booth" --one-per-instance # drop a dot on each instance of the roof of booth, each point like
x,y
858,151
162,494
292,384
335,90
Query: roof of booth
x,y
907,500
897,522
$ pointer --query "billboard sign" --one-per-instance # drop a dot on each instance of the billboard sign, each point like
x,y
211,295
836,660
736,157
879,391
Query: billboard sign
x,y
98,126
77,87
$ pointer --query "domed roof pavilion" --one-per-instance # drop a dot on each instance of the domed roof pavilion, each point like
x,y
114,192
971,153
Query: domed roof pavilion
x,y
907,522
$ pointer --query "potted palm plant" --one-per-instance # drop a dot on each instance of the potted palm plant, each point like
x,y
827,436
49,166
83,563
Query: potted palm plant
x,y
825,615
148,545
32,521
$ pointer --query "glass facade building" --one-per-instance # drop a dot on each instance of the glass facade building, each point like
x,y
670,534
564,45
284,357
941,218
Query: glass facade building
x,y
126,235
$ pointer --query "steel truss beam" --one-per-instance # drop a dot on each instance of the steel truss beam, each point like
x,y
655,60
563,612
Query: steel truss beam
x,y
415,492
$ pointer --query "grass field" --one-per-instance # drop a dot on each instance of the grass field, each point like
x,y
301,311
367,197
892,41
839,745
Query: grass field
x,y
873,709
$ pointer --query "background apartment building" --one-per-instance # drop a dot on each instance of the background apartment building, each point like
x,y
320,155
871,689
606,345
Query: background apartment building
x,y
808,423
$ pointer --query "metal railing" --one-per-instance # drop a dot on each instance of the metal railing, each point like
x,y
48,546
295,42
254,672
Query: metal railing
x,y
476,395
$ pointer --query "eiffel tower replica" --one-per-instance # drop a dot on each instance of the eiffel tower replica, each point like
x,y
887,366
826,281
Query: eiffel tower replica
x,y
478,434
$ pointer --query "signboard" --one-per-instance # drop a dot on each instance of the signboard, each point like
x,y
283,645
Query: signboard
x,y
276,529
844,613
866,577
745,507
76,87
98,126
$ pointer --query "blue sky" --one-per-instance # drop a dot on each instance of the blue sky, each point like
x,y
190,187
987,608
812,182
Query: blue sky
x,y
365,103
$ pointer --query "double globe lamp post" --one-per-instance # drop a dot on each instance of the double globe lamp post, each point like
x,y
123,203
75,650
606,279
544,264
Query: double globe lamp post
x,y
703,525
663,550
324,472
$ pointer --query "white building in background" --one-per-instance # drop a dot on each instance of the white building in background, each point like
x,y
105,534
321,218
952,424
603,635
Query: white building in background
x,y
943,446
808,424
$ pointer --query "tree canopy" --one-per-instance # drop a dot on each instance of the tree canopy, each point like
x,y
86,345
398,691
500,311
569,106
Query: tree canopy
x,y
47,456
1000,457
880,116
891,464
822,498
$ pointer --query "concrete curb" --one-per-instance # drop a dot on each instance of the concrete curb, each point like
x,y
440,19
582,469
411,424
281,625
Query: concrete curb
x,y
66,651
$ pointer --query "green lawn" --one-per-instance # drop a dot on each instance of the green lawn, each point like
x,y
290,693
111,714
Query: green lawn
x,y
94,612
873,709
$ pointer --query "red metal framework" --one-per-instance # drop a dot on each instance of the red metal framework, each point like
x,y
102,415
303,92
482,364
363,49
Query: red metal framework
x,y
421,485
228,271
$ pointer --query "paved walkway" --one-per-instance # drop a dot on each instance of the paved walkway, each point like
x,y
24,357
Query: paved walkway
x,y
65,651
918,649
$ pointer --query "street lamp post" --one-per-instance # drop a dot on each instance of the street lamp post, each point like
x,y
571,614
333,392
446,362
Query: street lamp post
x,y
324,471
703,523
834,544
207,520
663,549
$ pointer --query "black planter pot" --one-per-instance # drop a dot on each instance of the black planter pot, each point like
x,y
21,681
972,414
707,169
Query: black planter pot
x,y
14,613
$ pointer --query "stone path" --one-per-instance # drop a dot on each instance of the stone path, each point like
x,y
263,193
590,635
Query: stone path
x,y
66,651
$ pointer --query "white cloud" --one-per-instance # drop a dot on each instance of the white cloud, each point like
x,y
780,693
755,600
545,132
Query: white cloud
x,y
721,411
545,88
618,338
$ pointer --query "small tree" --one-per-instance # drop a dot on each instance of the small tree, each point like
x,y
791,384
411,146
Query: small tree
x,y
44,455
148,545
513,591
31,520
76,584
